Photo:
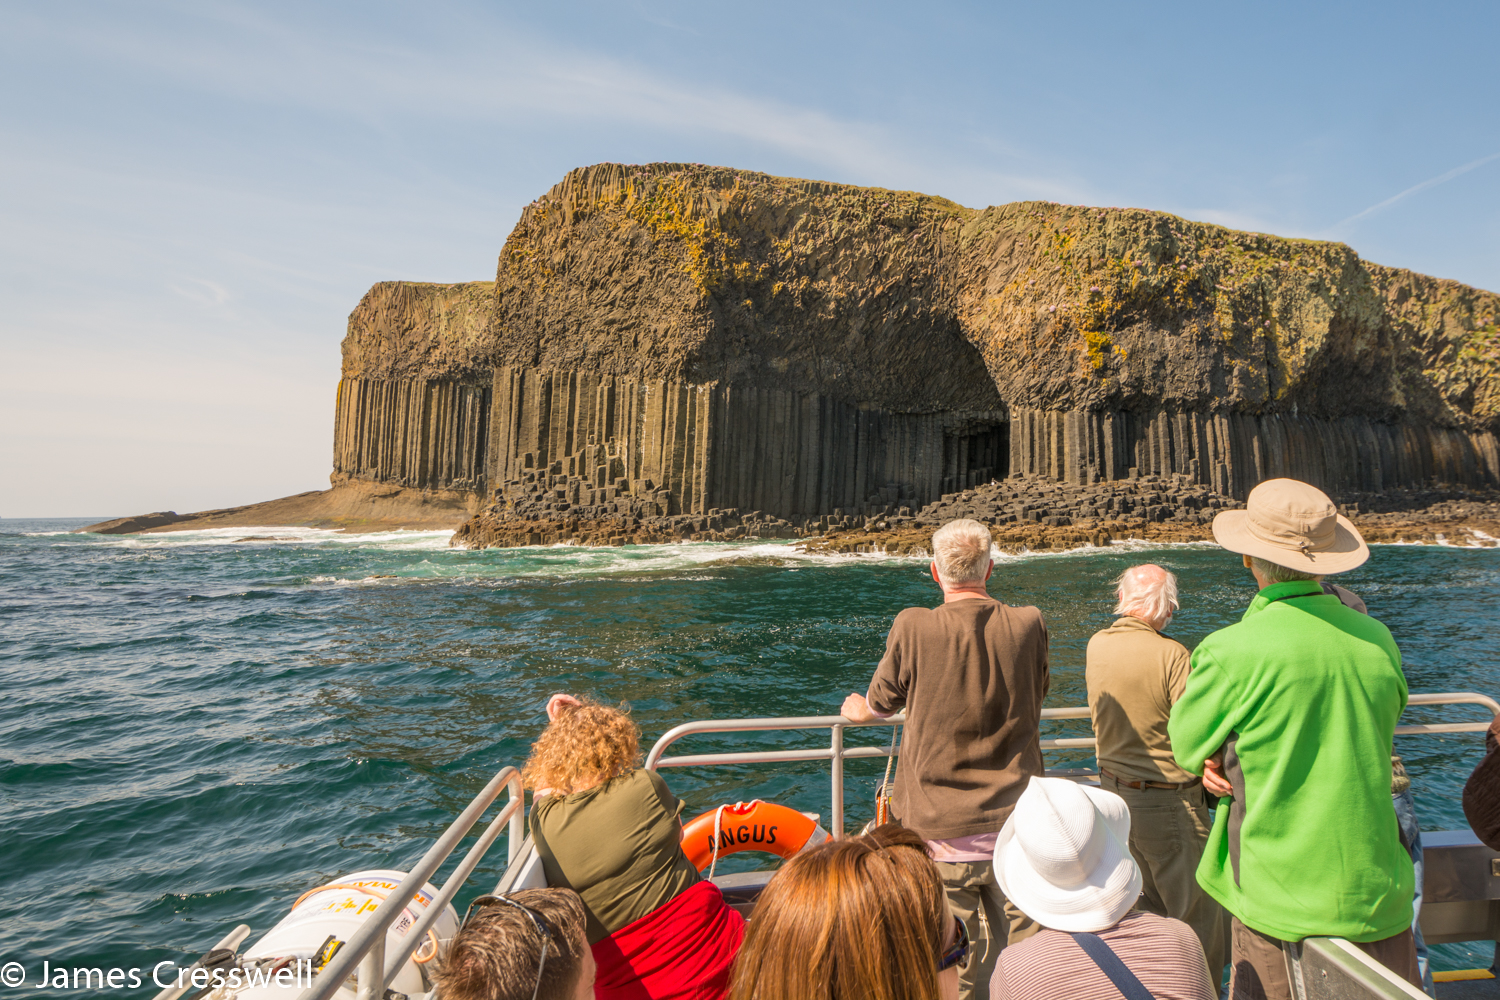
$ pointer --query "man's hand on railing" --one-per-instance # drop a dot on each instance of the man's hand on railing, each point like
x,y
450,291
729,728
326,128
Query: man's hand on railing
x,y
856,709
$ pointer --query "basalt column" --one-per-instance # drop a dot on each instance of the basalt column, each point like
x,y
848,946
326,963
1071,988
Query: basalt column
x,y
424,434
713,445
629,435
801,454
1231,452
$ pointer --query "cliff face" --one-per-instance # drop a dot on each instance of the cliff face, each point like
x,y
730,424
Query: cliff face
x,y
703,274
414,402
416,330
740,340
1099,309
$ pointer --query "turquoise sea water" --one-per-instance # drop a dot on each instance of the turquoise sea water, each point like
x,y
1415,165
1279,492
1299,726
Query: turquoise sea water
x,y
196,727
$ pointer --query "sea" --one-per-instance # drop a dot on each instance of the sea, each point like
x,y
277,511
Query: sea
x,y
196,727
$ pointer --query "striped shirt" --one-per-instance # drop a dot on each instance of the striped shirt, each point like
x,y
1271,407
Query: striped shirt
x,y
1163,953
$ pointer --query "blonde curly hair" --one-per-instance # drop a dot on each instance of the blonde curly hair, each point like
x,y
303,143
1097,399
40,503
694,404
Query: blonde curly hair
x,y
586,745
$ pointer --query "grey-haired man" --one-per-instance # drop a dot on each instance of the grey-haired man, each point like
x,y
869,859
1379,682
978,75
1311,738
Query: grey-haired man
x,y
1135,674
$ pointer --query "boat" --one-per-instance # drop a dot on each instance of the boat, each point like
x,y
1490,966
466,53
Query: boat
x,y
373,935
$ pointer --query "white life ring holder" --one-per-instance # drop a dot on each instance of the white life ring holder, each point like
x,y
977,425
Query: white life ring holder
x,y
424,954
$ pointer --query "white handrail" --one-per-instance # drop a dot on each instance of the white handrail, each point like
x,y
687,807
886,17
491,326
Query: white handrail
x,y
836,753
369,940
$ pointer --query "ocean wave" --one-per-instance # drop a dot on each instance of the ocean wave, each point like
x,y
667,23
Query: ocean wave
x,y
273,536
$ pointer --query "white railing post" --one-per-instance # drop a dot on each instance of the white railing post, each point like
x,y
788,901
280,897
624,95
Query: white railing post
x,y
371,975
837,823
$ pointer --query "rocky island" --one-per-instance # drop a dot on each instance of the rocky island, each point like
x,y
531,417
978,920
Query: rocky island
x,y
677,351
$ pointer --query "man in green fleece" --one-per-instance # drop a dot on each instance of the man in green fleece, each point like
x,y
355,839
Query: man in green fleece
x,y
1289,717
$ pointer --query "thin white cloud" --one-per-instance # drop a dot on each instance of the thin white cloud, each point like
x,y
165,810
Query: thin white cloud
x,y
1431,182
498,75
202,291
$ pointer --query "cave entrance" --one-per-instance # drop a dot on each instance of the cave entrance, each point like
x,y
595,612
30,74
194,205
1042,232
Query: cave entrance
x,y
975,452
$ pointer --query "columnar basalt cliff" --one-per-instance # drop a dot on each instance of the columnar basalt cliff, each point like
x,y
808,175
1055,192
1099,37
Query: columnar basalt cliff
x,y
753,342
413,406
691,340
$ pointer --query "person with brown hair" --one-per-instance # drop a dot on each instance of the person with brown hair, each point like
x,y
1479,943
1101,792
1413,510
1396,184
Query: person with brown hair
x,y
859,919
611,831
528,945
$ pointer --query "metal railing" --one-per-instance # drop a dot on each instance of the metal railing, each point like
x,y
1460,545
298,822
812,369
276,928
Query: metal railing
x,y
836,753
365,949
364,955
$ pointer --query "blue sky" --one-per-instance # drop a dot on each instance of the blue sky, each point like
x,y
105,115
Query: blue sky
x,y
193,196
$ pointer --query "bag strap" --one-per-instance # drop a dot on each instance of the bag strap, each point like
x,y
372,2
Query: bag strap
x,y
1109,963
885,790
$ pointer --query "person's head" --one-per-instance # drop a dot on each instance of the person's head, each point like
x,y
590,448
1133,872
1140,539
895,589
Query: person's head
x,y
528,943
961,555
859,919
585,745
1267,573
1063,856
1147,592
1290,531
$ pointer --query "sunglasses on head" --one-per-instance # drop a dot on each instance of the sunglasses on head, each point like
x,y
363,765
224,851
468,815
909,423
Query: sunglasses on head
x,y
959,953
541,926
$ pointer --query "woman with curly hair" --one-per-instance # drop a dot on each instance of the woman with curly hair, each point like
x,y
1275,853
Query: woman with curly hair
x,y
611,831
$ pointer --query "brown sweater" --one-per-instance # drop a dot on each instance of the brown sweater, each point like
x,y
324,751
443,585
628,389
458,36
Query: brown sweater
x,y
1482,791
972,675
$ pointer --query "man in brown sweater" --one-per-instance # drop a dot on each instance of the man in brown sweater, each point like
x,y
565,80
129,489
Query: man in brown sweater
x,y
1135,675
971,675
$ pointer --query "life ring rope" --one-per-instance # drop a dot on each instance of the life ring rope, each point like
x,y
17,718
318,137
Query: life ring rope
x,y
718,839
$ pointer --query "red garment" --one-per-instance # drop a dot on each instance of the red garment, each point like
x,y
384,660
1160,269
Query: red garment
x,y
682,950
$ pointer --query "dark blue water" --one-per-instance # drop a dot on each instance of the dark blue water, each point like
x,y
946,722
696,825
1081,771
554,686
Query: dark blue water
x,y
196,727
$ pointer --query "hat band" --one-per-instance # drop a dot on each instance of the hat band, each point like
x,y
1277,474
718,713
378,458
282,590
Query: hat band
x,y
1315,536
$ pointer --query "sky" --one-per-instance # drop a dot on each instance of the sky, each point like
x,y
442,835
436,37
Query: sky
x,y
194,195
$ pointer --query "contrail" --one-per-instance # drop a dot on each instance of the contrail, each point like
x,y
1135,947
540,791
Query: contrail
x,y
1430,182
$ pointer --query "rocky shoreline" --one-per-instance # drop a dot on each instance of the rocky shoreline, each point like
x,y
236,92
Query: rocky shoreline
x,y
1024,514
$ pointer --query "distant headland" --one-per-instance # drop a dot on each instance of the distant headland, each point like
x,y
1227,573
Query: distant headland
x,y
679,351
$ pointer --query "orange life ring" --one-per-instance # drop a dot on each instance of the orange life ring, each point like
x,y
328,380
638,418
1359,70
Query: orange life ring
x,y
750,826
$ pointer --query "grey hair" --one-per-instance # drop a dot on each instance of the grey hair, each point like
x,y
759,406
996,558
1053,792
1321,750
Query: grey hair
x,y
961,550
1147,591
1280,574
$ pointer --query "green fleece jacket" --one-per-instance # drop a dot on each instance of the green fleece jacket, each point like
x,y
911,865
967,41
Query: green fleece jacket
x,y
1304,694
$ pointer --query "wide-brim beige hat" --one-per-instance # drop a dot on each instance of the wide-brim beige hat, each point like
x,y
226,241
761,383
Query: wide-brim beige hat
x,y
1295,525
1063,856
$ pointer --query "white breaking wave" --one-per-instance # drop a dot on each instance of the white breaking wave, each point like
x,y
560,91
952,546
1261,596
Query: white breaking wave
x,y
563,561
399,540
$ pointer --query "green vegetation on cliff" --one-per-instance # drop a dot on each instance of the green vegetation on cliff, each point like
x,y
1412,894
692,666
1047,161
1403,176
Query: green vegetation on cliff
x,y
877,296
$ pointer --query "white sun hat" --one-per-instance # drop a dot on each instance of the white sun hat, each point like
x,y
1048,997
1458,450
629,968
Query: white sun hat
x,y
1063,856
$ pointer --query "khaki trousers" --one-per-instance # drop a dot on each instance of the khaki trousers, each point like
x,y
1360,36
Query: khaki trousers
x,y
992,921
1260,971
1168,829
